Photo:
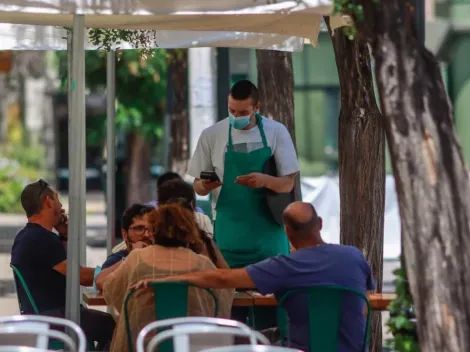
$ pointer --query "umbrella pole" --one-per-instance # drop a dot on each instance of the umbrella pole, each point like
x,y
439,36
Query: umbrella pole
x,y
202,70
77,166
111,150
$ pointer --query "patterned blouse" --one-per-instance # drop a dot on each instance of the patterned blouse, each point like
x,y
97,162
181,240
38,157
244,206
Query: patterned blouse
x,y
157,262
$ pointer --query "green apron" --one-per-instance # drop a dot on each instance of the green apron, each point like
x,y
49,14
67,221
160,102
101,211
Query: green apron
x,y
245,230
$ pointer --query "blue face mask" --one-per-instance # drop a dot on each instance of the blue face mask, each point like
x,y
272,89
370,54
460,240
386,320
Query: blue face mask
x,y
239,123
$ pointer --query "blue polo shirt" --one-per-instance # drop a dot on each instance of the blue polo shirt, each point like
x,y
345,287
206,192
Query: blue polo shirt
x,y
35,252
114,258
329,264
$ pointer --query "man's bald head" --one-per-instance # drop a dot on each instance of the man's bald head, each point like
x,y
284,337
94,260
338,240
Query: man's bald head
x,y
302,221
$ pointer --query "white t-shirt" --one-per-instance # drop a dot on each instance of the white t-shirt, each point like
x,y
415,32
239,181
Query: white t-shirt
x,y
212,145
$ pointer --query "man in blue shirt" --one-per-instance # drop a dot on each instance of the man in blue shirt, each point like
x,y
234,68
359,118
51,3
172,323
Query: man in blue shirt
x,y
313,263
135,232
40,256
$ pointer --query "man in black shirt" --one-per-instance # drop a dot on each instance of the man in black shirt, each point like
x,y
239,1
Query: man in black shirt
x,y
40,256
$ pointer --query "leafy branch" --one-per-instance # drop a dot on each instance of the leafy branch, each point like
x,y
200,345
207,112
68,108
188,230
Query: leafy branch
x,y
352,9
112,39
402,322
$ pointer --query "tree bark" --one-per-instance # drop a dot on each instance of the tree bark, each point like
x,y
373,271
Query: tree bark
x,y
276,88
361,150
138,170
179,141
431,179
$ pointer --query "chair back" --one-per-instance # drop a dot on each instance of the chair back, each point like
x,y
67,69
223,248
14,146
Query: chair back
x,y
22,286
22,349
324,315
184,331
41,327
199,321
251,348
165,292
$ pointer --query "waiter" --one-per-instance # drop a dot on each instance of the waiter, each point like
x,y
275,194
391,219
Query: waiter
x,y
236,149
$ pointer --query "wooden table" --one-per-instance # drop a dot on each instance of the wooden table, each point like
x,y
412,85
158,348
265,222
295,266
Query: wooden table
x,y
378,301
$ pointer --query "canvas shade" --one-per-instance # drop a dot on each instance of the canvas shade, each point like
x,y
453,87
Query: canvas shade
x,y
281,26
33,37
148,7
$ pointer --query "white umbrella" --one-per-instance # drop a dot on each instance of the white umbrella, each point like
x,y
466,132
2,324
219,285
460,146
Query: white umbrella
x,y
286,18
35,37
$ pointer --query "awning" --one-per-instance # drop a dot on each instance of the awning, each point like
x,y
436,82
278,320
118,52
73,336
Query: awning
x,y
177,24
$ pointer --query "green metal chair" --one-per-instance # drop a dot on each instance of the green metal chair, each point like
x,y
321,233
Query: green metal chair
x,y
324,315
20,282
168,293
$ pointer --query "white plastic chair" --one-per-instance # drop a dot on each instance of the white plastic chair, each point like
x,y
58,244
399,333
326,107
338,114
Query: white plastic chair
x,y
183,327
251,348
40,327
22,349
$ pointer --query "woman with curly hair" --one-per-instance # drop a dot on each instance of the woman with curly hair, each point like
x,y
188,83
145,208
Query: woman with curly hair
x,y
176,236
182,193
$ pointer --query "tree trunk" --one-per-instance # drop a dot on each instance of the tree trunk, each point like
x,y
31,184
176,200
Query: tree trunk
x,y
276,88
431,179
138,170
361,149
179,141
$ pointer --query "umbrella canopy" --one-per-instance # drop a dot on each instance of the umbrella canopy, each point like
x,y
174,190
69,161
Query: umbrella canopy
x,y
32,37
179,24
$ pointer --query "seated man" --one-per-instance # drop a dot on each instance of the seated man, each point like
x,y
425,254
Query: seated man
x,y
202,219
313,263
179,189
40,256
164,178
134,232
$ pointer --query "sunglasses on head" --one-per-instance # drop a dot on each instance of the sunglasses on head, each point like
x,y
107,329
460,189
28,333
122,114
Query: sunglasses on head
x,y
43,185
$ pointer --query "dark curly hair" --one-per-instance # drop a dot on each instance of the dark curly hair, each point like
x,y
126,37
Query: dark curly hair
x,y
135,210
206,240
174,226
182,193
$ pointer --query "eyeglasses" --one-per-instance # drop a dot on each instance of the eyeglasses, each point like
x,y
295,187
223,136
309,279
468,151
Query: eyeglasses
x,y
139,229
43,185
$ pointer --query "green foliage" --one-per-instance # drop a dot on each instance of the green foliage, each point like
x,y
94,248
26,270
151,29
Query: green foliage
x,y
352,9
112,39
140,90
402,323
19,165
109,39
